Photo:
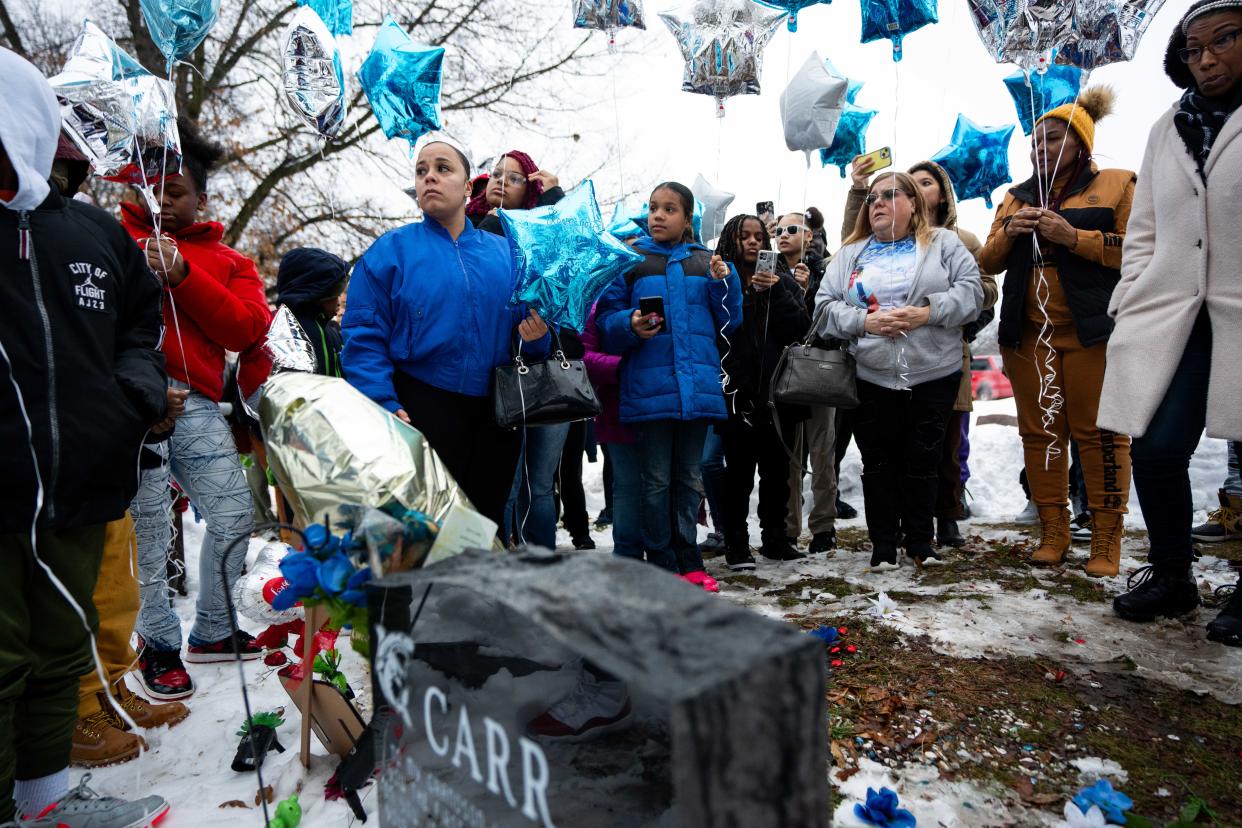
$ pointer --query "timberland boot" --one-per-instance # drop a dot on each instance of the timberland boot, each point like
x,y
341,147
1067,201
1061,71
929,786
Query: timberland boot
x,y
1223,524
97,742
145,714
1106,532
1054,536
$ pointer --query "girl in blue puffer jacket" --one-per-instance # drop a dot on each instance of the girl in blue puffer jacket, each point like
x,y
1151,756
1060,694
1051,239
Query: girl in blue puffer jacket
x,y
670,374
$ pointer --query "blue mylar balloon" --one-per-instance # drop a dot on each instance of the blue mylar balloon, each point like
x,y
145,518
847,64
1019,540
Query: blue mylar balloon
x,y
178,26
1047,90
402,81
793,7
851,138
564,257
629,222
852,88
894,19
976,159
337,15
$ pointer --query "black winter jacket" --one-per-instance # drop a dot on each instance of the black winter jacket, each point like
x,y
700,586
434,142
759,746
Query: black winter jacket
x,y
771,320
81,324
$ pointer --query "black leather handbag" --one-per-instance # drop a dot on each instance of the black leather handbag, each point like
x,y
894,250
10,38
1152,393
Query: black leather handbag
x,y
809,374
548,392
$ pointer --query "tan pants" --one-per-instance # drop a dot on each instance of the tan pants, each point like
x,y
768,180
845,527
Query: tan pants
x,y
116,602
1079,374
820,433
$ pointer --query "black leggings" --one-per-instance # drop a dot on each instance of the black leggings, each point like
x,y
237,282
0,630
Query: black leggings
x,y
481,456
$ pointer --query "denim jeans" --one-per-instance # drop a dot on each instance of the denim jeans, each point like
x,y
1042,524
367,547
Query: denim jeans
x,y
671,455
1233,478
1161,457
531,510
714,475
203,459
627,528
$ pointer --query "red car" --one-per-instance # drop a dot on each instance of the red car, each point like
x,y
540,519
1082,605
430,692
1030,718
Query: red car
x,y
988,380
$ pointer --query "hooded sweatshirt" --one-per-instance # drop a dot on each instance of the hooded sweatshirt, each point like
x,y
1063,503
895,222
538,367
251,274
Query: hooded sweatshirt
x,y
307,276
79,329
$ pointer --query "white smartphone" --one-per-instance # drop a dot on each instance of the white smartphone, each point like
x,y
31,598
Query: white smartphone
x,y
766,262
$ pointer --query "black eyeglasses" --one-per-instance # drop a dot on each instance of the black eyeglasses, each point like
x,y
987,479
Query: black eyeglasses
x,y
789,229
1218,46
884,195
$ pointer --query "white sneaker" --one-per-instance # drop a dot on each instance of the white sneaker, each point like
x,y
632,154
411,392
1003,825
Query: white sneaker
x,y
593,709
1028,515
83,808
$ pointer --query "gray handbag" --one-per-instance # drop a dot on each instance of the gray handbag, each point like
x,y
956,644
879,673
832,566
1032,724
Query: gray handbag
x,y
808,374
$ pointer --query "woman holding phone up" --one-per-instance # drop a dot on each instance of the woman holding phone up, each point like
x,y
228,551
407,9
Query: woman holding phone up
x,y
773,316
428,320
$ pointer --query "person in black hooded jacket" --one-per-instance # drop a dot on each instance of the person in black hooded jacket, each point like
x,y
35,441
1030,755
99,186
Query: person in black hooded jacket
x,y
310,282
773,316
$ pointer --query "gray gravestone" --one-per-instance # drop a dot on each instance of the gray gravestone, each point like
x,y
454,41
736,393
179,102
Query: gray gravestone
x,y
725,714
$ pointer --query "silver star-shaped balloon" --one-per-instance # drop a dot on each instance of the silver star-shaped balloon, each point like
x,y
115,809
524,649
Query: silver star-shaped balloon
x,y
313,79
715,206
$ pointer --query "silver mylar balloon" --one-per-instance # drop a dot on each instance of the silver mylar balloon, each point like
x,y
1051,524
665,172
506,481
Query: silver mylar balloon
x,y
715,207
811,106
1107,31
288,345
123,118
722,43
313,78
1024,32
608,15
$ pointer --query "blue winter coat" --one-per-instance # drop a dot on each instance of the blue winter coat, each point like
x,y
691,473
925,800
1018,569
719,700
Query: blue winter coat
x,y
675,375
433,308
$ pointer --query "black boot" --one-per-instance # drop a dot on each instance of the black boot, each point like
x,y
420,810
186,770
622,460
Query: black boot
x,y
780,549
947,533
883,555
1226,628
823,542
845,511
737,554
1157,593
923,554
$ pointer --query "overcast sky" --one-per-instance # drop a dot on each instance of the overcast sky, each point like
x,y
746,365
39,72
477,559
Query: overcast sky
x,y
669,134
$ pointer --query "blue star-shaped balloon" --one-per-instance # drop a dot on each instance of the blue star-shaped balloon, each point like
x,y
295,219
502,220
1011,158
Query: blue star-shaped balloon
x,y
793,7
337,15
178,26
402,81
851,138
1046,91
894,19
564,257
976,159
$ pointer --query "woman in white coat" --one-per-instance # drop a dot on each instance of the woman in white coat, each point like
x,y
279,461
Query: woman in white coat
x,y
1173,360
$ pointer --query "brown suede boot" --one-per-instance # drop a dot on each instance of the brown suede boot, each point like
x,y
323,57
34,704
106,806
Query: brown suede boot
x,y
1054,536
145,714
97,742
1106,531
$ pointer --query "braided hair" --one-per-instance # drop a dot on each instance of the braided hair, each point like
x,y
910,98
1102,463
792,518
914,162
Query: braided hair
x,y
729,246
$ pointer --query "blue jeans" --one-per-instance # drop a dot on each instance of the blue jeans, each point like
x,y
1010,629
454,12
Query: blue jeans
x,y
203,459
627,529
1233,479
1161,457
670,458
531,510
713,475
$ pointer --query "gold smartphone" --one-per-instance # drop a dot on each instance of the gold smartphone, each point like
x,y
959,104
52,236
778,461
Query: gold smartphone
x,y
881,159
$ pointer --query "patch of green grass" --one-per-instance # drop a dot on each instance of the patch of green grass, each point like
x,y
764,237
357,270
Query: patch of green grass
x,y
793,592
750,581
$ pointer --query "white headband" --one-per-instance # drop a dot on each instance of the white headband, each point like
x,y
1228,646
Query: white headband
x,y
1218,5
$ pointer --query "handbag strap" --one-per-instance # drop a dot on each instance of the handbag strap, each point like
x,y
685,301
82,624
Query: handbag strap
x,y
557,352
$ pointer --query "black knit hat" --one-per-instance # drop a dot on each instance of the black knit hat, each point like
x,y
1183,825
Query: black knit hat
x,y
1178,71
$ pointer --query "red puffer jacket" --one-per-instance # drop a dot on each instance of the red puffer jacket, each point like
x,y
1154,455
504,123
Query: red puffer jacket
x,y
220,306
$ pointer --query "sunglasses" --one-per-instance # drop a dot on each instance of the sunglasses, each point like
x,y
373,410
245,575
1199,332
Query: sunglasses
x,y
789,230
1218,46
884,195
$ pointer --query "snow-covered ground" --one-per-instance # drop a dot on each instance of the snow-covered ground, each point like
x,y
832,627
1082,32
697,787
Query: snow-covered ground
x,y
189,764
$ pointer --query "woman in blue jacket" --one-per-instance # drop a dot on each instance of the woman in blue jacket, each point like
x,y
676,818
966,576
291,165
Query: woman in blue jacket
x,y
428,319
670,374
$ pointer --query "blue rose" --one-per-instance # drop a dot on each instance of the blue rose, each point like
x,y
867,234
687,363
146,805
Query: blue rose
x,y
301,571
355,589
1113,804
334,573
881,809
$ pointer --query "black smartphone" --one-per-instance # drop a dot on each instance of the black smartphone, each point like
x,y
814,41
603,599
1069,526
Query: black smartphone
x,y
766,211
653,305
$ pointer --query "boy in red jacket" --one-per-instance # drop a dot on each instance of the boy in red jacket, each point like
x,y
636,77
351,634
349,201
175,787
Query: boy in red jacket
x,y
214,301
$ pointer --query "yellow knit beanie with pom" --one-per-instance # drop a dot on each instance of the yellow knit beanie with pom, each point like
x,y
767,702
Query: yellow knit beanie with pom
x,y
1092,105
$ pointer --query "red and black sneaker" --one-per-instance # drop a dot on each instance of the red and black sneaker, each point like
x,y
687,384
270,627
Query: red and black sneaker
x,y
162,673
224,650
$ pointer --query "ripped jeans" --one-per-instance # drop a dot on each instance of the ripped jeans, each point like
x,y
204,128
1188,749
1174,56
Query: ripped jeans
x,y
203,459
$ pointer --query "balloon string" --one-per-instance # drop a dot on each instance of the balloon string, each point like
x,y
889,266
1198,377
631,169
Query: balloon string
x,y
616,120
